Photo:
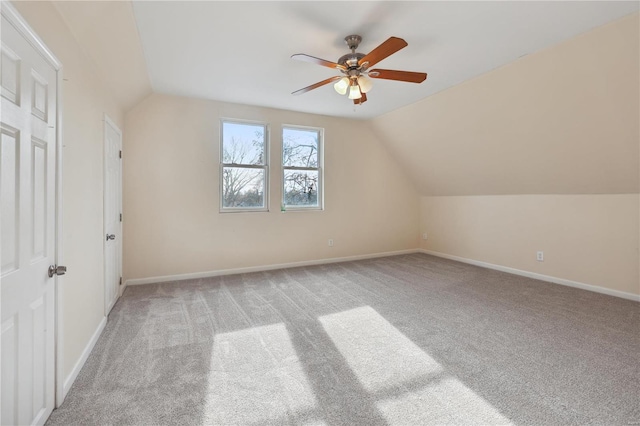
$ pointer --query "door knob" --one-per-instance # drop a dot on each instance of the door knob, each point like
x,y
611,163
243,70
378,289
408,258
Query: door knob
x,y
57,270
111,237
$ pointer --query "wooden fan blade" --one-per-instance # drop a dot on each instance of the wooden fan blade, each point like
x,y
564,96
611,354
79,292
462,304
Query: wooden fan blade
x,y
411,77
387,48
360,101
315,86
314,60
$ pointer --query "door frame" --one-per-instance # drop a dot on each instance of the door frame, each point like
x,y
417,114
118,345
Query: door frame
x,y
109,122
20,24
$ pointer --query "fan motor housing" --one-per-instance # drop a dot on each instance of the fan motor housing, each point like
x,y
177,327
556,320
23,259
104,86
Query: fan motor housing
x,y
350,60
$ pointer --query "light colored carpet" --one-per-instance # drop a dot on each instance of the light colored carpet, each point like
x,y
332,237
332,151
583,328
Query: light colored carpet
x,y
402,340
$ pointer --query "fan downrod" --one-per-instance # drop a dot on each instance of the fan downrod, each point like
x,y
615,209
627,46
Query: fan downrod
x,y
350,60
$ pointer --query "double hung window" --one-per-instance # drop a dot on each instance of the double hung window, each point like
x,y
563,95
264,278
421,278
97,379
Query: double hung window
x,y
244,166
301,167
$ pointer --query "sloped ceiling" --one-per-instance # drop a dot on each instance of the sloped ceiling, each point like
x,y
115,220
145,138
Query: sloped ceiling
x,y
565,120
556,115
240,51
107,32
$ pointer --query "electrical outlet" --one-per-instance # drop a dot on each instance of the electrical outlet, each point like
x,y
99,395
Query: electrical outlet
x,y
540,256
424,236
330,242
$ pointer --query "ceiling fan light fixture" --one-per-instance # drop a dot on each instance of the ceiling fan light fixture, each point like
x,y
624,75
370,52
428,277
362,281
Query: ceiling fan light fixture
x,y
356,79
342,85
354,91
365,83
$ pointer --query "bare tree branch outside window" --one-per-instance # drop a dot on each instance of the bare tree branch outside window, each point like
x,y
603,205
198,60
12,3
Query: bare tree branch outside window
x,y
244,165
301,168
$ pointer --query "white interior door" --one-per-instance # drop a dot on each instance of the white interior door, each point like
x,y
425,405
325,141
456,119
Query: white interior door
x,y
112,213
27,227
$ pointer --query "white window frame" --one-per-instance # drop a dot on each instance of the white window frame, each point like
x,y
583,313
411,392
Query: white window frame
x,y
264,166
319,169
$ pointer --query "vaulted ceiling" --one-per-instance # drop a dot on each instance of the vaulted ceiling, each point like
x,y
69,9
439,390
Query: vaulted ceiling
x,y
240,51
107,32
565,120
521,98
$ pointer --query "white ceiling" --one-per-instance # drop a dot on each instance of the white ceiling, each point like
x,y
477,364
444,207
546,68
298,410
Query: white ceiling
x,y
240,51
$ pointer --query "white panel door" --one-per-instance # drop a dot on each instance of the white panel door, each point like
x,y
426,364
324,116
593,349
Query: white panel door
x,y
27,234
112,210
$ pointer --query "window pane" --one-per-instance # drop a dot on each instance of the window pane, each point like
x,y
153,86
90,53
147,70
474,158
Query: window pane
x,y
242,143
299,148
300,188
242,187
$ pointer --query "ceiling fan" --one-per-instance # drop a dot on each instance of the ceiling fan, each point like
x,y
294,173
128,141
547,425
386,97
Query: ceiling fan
x,y
355,69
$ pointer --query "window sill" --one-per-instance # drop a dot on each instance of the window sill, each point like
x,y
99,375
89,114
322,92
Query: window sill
x,y
301,209
243,211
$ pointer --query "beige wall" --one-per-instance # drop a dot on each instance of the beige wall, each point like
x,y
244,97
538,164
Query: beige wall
x,y
591,239
85,100
172,223
564,122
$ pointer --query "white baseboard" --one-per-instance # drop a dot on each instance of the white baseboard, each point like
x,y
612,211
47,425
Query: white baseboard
x,y
83,358
207,274
561,281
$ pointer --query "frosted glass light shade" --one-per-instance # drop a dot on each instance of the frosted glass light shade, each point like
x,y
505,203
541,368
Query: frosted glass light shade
x,y
354,92
365,83
342,85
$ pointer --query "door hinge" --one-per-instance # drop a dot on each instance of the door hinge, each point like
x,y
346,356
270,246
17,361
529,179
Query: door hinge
x,y
120,280
120,154
120,217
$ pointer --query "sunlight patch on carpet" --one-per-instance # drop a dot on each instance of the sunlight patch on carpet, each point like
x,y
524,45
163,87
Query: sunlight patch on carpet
x,y
256,376
444,402
410,384
380,355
